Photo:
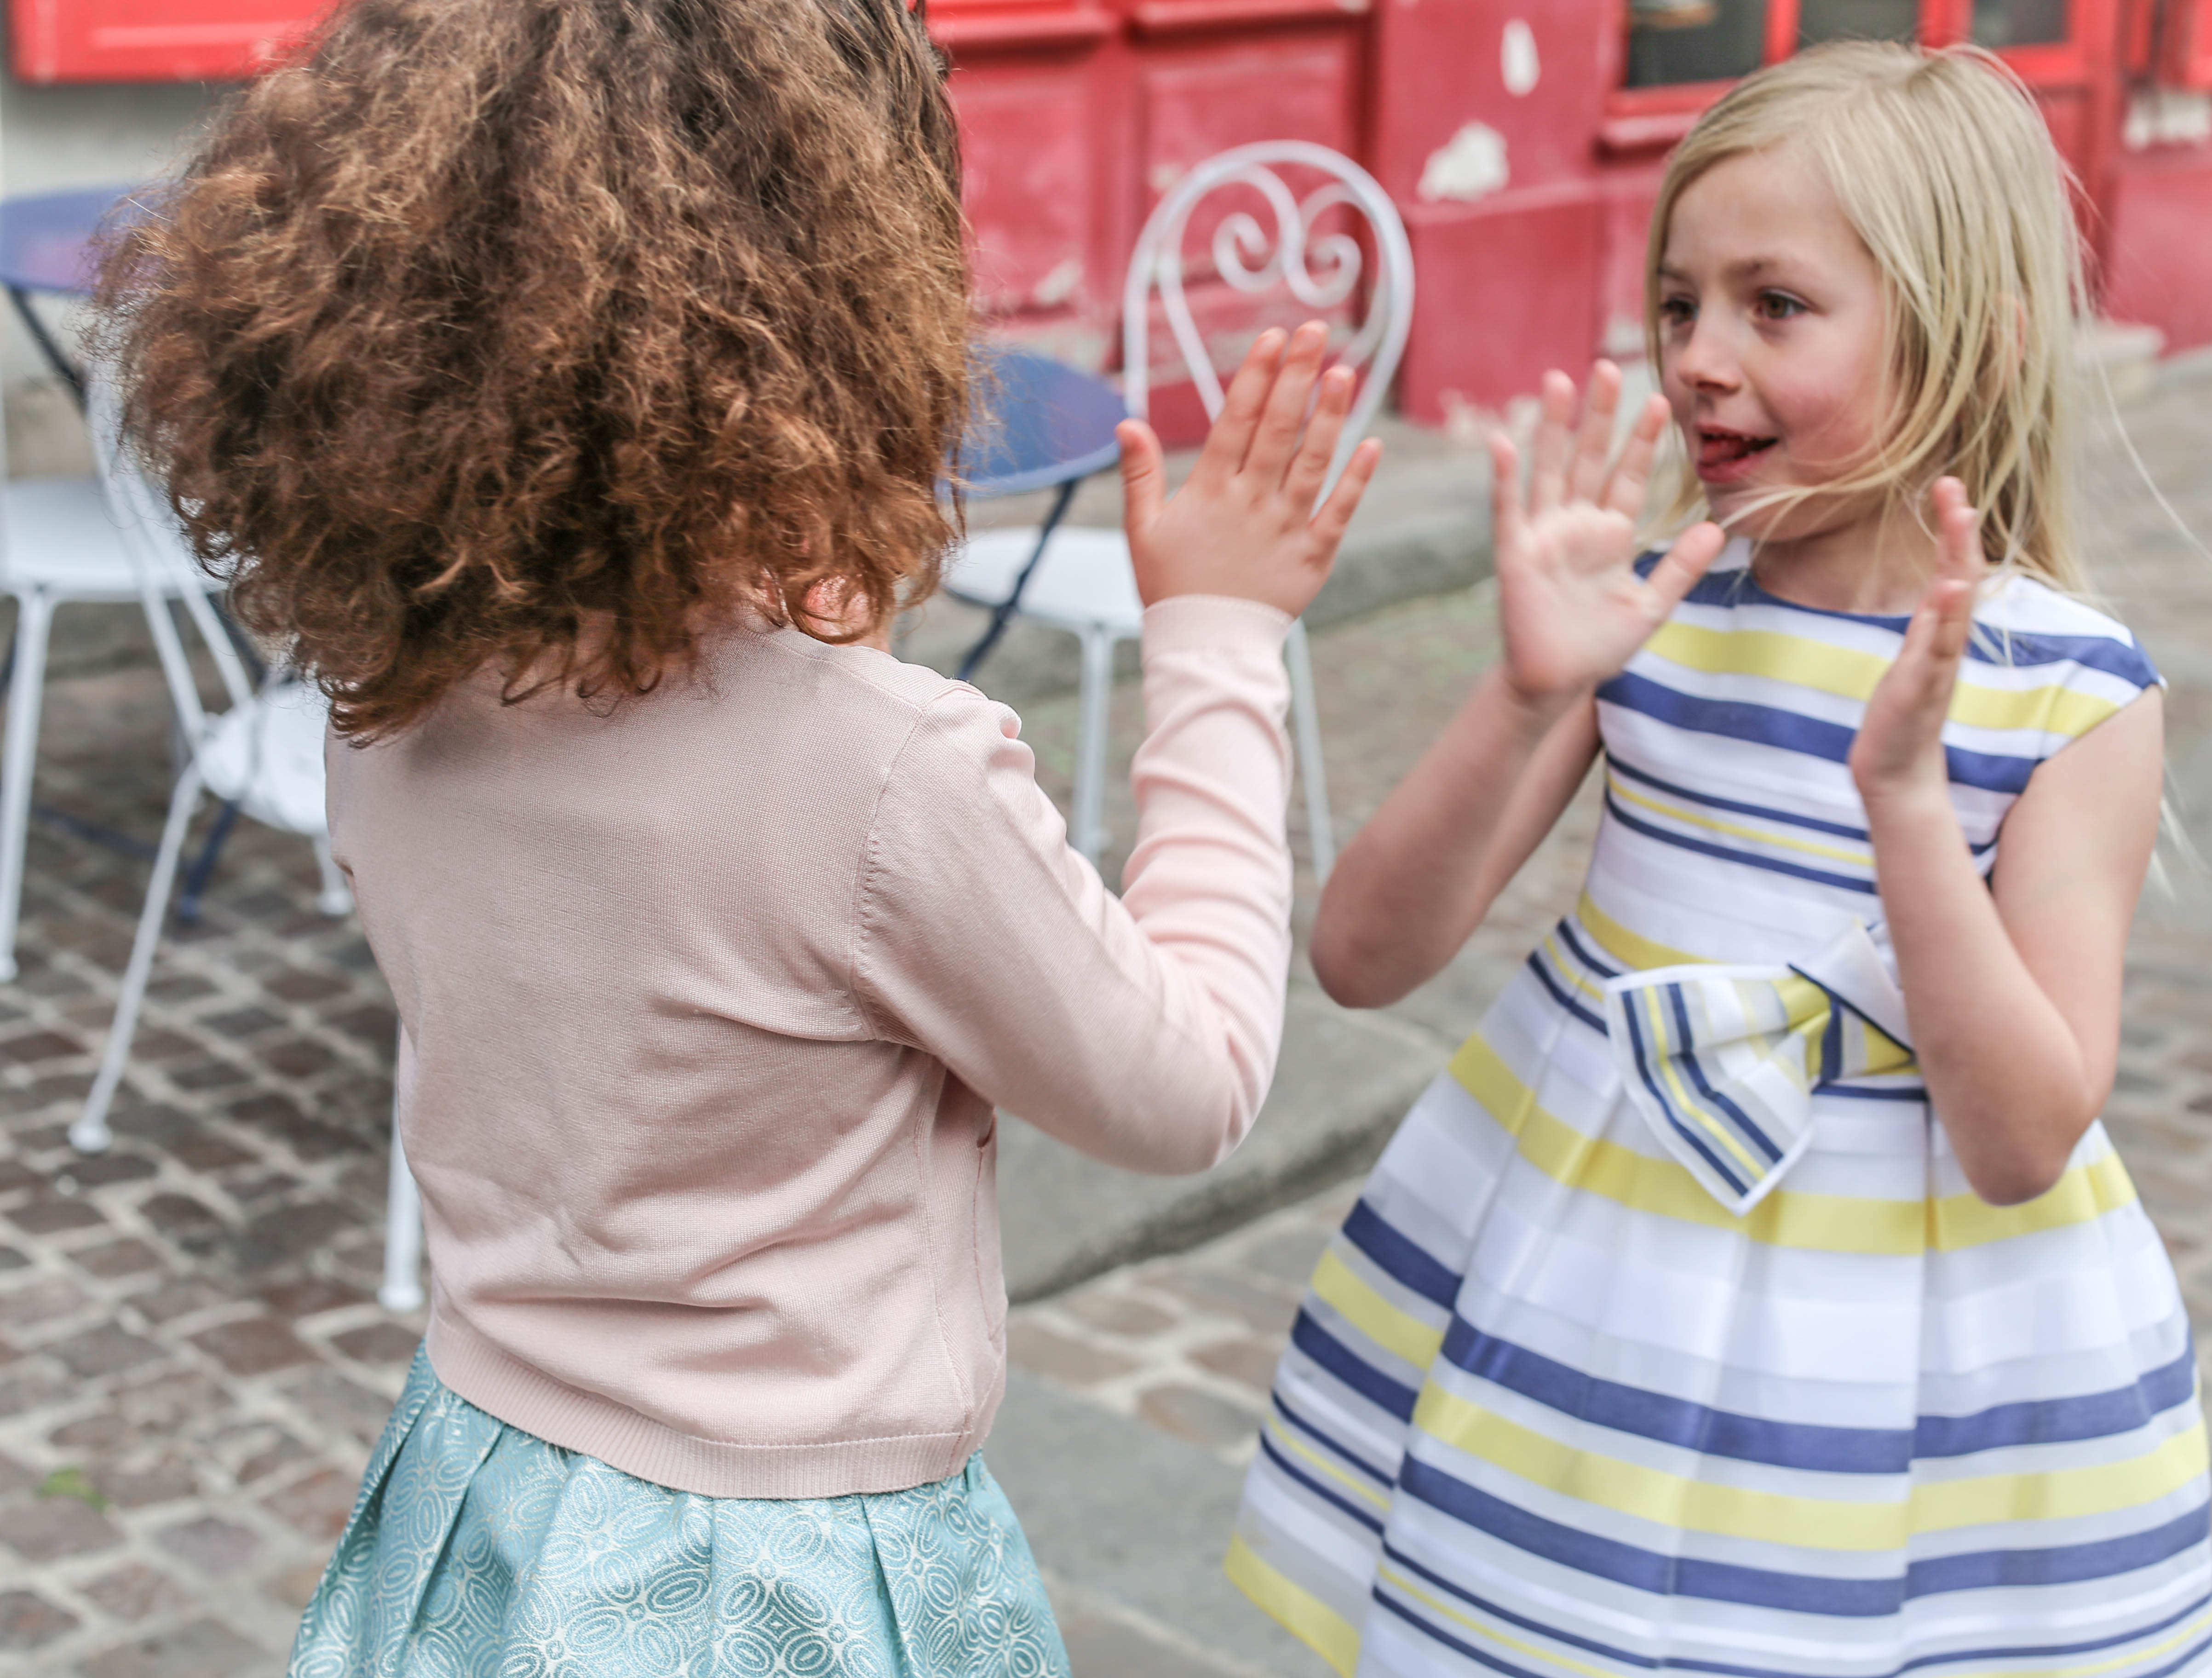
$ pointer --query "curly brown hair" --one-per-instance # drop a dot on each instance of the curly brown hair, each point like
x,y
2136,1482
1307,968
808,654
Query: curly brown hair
x,y
554,335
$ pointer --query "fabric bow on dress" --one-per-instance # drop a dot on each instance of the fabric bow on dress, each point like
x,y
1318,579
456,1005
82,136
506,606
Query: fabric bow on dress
x,y
1723,1061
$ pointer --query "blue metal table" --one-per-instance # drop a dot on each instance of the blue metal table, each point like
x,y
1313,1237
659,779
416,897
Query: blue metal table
x,y
46,247
1040,425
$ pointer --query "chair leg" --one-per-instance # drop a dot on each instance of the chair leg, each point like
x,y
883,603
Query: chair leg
x,y
34,615
89,1134
1305,717
336,896
1090,742
403,1235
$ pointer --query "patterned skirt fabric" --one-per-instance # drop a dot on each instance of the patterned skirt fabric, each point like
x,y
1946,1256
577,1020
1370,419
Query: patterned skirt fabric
x,y
479,1551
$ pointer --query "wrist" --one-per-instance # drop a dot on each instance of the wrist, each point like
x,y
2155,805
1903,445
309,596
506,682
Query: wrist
x,y
1534,711
1907,799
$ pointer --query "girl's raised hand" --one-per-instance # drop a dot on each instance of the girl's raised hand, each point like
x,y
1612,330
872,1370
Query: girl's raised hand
x,y
1900,747
1572,608
1244,524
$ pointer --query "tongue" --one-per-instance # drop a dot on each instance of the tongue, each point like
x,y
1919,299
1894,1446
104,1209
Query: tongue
x,y
1712,450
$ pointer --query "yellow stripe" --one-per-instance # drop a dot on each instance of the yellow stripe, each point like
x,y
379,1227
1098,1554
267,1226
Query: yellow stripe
x,y
1655,1028
2132,1656
1862,859
1817,1223
1571,971
1301,1614
1629,949
1399,1333
1848,674
1482,1629
1365,1490
1683,1504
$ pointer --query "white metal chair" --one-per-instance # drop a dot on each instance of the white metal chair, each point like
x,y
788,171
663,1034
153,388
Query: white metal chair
x,y
58,546
265,755
1083,584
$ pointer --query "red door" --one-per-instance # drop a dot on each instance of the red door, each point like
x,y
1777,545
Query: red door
x,y
1077,114
150,40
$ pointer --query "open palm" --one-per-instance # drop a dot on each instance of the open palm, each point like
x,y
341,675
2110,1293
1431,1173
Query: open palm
x,y
1572,608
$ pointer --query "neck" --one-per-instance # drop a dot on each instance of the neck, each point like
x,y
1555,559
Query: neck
x,y
1878,564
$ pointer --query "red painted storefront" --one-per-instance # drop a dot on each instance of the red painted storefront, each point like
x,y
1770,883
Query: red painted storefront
x,y
1522,139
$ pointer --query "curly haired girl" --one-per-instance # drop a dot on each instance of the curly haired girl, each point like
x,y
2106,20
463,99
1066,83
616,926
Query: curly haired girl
x,y
568,383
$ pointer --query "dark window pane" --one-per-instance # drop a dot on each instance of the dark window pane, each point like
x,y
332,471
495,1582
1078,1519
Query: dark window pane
x,y
2018,22
1857,20
1693,40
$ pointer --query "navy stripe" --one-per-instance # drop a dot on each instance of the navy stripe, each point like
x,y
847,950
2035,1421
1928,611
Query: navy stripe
x,y
1643,1071
1335,1500
1670,1421
1758,810
2070,1563
1333,1447
1790,731
1459,1645
1400,1258
1561,995
2023,649
2049,1421
1800,1593
1678,1663
1816,1446
1349,1367
1566,932
2119,655
1706,847
1695,1069
1918,1092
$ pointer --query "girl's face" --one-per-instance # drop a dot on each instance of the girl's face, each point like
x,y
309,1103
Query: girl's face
x,y
1772,343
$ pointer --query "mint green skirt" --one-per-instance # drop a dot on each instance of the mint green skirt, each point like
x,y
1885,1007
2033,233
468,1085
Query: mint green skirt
x,y
478,1551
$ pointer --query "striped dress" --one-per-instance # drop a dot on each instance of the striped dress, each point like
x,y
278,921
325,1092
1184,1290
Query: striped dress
x,y
1611,1372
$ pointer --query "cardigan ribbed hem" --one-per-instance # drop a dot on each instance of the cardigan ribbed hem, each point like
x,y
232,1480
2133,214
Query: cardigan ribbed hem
x,y
523,1396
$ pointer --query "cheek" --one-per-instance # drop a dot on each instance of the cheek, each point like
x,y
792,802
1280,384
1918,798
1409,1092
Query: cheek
x,y
1826,419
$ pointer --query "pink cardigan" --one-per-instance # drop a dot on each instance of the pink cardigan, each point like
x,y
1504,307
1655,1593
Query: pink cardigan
x,y
707,1004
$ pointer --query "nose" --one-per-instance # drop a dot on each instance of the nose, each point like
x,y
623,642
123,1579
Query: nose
x,y
1705,360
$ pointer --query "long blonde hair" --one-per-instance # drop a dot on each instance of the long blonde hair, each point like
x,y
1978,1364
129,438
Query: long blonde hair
x,y
1943,165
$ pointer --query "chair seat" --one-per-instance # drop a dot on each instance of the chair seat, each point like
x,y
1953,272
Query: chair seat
x,y
61,539
1083,583
267,755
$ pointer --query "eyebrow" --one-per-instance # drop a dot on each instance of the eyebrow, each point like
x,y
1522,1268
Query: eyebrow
x,y
1748,268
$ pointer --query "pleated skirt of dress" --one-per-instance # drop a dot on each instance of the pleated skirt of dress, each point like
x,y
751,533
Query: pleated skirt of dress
x,y
477,1550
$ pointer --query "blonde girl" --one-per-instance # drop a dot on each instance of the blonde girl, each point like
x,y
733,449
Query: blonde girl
x,y
569,384
1757,1294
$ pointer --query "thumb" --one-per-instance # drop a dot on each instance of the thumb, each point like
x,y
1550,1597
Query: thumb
x,y
1144,476
1685,561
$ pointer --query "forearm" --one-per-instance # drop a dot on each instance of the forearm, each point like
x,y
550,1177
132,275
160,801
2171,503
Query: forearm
x,y
2005,1071
1419,876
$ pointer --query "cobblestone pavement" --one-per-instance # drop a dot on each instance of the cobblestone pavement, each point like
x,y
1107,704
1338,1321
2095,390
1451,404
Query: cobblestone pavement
x,y
192,1365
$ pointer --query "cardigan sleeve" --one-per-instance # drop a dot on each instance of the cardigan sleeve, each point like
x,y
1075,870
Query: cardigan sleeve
x,y
1141,1030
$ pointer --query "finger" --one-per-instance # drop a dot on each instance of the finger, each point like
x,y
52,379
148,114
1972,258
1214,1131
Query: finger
x,y
1276,436
1230,435
1594,441
1631,474
1508,519
1310,466
1144,476
1329,524
1547,475
1683,564
1958,533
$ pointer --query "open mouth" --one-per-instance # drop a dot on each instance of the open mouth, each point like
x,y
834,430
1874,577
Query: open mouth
x,y
1719,450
